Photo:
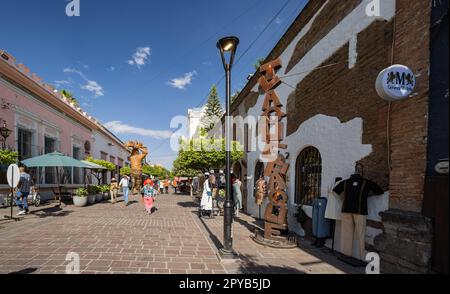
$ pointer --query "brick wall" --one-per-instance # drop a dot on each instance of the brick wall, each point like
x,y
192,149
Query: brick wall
x,y
349,93
409,117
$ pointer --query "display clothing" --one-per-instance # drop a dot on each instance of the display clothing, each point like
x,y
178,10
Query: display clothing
x,y
321,225
353,234
356,190
260,191
237,195
334,206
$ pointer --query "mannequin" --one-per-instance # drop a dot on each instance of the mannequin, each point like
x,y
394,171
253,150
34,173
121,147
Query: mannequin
x,y
355,191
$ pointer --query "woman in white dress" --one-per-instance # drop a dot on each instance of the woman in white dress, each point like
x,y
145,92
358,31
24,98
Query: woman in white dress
x,y
206,203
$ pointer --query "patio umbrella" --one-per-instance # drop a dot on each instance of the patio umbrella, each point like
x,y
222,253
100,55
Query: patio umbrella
x,y
57,160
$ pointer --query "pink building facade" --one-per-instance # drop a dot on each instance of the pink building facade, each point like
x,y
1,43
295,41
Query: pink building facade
x,y
43,121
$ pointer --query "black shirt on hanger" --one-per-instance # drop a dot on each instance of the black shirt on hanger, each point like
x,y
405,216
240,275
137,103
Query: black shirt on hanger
x,y
356,191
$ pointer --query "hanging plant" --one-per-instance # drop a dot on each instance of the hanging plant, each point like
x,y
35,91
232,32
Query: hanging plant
x,y
8,157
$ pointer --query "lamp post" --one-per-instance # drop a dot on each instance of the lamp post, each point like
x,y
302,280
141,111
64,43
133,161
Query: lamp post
x,y
4,132
227,47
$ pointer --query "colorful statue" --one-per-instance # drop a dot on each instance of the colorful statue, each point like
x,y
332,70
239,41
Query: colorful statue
x,y
138,153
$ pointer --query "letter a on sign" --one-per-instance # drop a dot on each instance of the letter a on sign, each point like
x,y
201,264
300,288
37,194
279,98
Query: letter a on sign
x,y
73,8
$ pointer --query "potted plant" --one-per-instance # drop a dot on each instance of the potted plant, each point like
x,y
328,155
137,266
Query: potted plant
x,y
98,194
303,219
92,191
105,191
80,199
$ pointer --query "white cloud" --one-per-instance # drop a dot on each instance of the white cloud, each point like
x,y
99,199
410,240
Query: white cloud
x,y
182,82
141,56
121,128
91,86
278,21
94,87
111,68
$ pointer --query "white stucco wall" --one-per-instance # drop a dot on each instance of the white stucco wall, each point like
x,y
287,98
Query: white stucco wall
x,y
339,143
100,143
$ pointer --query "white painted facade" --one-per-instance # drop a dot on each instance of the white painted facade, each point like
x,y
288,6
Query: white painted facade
x,y
110,148
340,144
194,121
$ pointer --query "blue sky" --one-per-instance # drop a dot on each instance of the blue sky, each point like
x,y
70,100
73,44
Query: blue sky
x,y
138,63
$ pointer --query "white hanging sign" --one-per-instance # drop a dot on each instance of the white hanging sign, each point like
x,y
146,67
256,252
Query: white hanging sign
x,y
395,83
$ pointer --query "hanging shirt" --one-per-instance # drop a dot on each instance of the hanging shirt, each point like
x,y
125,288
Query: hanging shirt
x,y
355,191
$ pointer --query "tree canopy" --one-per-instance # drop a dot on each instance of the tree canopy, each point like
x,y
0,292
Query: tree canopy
x,y
106,164
156,171
200,155
8,157
213,110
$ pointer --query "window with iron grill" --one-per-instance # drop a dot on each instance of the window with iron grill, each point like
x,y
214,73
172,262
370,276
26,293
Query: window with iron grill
x,y
308,176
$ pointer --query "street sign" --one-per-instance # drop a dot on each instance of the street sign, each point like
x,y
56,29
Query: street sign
x,y
13,175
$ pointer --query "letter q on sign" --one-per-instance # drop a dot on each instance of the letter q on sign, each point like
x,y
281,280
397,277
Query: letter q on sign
x,y
395,83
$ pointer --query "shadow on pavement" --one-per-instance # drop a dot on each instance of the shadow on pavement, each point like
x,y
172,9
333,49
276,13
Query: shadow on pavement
x,y
55,211
248,265
26,271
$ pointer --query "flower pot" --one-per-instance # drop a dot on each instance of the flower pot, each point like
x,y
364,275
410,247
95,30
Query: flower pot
x,y
91,199
106,196
79,201
99,197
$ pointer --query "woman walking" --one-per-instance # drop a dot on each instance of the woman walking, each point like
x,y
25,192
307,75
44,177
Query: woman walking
x,y
125,185
206,203
114,190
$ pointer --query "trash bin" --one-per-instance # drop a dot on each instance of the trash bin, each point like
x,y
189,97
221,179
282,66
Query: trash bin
x,y
321,225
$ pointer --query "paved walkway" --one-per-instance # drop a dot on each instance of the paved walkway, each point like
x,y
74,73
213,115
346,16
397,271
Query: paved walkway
x,y
114,239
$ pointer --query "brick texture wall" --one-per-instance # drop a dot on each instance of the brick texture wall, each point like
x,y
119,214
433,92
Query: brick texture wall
x,y
409,117
349,93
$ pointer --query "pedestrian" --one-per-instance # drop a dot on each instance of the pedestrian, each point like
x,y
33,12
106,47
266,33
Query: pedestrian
x,y
114,190
166,185
147,191
206,202
237,196
23,191
174,185
161,186
125,185
148,181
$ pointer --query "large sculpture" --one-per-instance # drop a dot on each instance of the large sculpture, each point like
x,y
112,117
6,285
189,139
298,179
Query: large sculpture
x,y
138,153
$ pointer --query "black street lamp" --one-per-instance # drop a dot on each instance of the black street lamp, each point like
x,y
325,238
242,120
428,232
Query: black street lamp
x,y
4,132
227,47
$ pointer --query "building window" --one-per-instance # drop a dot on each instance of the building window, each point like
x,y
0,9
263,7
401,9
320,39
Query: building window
x,y
308,176
24,144
76,170
112,159
103,155
50,146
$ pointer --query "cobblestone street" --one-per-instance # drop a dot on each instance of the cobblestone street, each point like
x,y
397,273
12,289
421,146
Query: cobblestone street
x,y
117,239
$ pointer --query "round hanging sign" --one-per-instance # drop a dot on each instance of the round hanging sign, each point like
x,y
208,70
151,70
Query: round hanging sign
x,y
395,83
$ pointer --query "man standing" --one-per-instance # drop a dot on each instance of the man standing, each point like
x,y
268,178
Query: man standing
x,y
23,192
125,185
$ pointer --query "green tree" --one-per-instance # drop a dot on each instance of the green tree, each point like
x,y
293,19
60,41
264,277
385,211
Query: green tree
x,y
69,96
213,110
258,63
156,171
125,171
200,155
8,157
98,174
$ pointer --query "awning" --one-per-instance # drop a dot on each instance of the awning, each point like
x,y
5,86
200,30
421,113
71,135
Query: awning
x,y
92,165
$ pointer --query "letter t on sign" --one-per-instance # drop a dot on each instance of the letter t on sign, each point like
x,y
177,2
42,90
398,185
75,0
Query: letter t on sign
x,y
73,8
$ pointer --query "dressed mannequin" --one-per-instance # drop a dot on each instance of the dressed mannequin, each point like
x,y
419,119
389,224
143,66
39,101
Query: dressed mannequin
x,y
355,192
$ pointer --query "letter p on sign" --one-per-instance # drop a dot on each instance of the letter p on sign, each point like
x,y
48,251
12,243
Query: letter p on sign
x,y
73,8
